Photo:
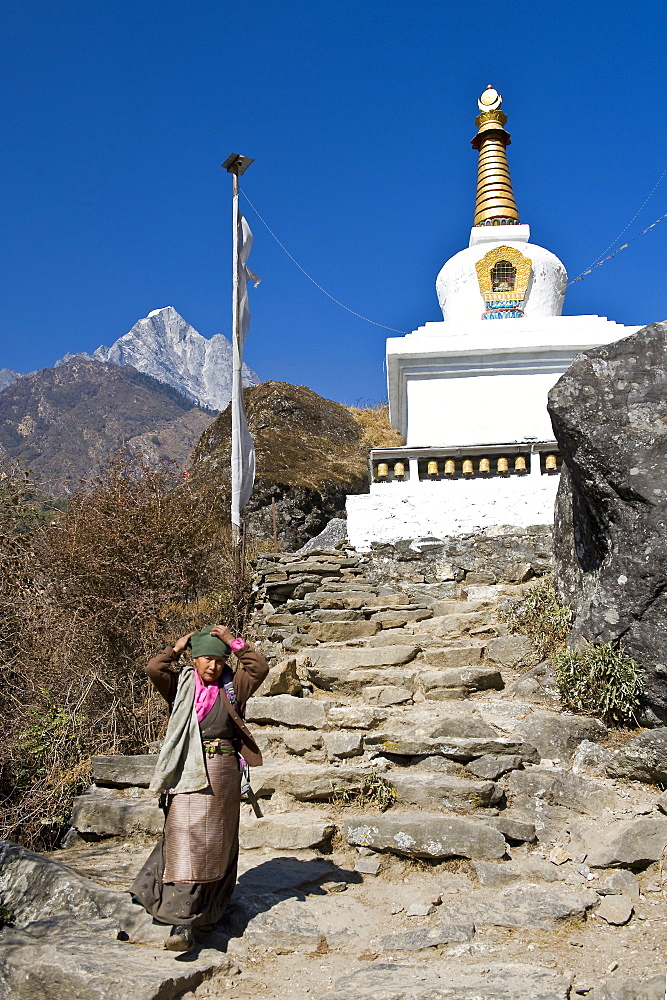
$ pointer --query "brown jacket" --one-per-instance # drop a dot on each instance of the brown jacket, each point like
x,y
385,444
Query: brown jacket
x,y
250,673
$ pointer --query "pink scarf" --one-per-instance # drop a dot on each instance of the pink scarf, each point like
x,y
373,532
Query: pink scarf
x,y
205,696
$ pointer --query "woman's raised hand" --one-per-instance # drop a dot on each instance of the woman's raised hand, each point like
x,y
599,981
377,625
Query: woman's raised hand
x,y
223,632
181,643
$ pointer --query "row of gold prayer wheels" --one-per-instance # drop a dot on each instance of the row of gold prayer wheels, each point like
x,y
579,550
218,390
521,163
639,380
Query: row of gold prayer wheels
x,y
433,468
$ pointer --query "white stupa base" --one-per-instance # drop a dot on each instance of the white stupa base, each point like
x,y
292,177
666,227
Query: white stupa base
x,y
394,511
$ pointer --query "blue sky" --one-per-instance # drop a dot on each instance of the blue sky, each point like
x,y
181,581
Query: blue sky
x,y
117,116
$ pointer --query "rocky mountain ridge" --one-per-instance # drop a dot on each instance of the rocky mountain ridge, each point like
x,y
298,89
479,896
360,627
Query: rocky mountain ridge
x,y
166,347
64,423
8,377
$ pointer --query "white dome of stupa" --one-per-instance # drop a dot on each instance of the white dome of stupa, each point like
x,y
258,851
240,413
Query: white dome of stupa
x,y
458,284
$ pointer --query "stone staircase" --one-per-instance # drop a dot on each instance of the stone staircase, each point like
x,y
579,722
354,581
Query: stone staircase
x,y
373,692
416,750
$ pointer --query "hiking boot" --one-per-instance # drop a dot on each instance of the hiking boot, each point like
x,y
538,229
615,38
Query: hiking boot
x,y
180,939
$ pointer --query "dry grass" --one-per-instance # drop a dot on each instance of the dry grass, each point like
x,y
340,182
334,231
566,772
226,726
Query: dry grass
x,y
377,431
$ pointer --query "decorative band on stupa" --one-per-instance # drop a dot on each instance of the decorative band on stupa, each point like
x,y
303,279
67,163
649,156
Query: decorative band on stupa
x,y
495,204
503,275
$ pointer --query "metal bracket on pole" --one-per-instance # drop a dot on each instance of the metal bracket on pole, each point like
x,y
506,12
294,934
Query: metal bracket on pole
x,y
237,164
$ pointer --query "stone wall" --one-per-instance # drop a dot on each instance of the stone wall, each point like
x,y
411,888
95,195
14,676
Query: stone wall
x,y
498,556
495,556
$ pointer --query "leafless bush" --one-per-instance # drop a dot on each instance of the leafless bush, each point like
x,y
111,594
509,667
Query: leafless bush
x,y
87,594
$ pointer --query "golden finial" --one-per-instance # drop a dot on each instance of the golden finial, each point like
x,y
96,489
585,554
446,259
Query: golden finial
x,y
495,204
490,99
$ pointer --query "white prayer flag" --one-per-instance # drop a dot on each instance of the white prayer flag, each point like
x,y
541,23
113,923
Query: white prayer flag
x,y
243,447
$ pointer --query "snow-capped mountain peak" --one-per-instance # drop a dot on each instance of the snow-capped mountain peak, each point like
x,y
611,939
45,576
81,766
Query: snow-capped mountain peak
x,y
165,346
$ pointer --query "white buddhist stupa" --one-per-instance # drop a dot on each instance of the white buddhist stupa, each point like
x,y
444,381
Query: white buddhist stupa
x,y
469,392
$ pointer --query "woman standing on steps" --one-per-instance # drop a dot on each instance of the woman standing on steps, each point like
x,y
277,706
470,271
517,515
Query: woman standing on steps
x,y
189,877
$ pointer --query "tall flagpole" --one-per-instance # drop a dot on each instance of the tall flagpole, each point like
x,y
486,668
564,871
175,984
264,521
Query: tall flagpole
x,y
237,375
236,165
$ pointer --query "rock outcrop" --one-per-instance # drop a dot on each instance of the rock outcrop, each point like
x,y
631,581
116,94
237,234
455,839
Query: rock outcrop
x,y
68,938
609,413
310,453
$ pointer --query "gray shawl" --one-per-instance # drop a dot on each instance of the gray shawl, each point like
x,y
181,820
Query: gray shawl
x,y
180,765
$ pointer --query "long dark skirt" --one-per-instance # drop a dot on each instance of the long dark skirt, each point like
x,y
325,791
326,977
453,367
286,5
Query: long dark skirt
x,y
190,875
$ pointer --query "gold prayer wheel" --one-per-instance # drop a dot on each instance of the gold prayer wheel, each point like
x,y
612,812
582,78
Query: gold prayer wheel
x,y
519,464
383,470
551,463
432,468
450,467
467,468
399,470
484,465
503,465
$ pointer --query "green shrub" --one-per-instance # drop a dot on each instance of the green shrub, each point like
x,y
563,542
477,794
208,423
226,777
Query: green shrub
x,y
542,618
602,680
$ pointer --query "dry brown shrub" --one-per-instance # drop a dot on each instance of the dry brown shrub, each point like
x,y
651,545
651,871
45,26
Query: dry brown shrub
x,y
86,596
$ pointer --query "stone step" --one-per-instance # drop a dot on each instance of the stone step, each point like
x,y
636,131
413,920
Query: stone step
x,y
397,612
107,813
342,614
441,791
464,655
454,979
344,658
286,831
387,695
425,835
287,710
401,637
327,783
459,624
351,601
353,680
458,607
459,748
466,678
104,814
342,631
118,771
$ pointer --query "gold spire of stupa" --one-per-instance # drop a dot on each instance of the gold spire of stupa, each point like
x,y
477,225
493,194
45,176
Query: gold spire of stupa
x,y
495,204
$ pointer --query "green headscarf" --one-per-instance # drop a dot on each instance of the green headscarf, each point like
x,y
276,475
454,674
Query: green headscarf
x,y
204,644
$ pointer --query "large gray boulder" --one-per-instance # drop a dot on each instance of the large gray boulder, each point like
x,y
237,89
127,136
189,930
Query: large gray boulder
x,y
628,843
72,938
558,736
609,413
643,759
